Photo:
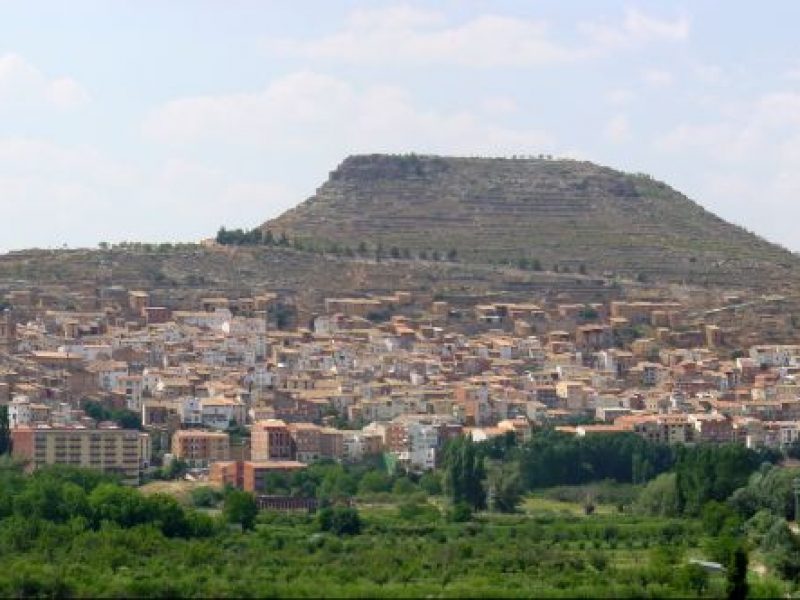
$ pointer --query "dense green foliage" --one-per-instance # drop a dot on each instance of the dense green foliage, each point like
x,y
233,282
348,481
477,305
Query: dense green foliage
x,y
126,419
552,458
340,520
713,472
768,488
659,497
70,532
240,508
90,500
206,497
465,472
252,237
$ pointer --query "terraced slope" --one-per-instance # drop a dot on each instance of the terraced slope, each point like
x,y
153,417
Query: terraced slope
x,y
558,212
196,271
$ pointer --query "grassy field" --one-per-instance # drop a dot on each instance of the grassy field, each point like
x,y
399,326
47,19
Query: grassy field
x,y
537,503
179,489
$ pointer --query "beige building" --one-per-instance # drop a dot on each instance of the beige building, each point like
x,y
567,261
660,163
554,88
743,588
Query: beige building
x,y
199,448
111,450
572,394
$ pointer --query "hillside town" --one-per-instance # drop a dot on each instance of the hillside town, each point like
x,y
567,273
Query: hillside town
x,y
235,389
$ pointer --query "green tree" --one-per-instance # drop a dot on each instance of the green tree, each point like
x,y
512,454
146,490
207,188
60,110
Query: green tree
x,y
205,497
693,578
5,433
120,505
340,520
720,519
737,575
504,490
403,487
464,473
240,507
712,472
164,512
374,482
175,469
431,483
659,497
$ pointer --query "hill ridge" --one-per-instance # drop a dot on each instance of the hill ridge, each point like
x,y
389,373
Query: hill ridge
x,y
558,212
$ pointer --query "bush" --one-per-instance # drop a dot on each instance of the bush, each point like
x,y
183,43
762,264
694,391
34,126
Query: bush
x,y
205,497
403,487
374,482
431,483
720,519
340,520
419,511
461,512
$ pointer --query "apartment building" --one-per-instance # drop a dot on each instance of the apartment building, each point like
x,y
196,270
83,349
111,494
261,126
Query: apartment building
x,y
111,450
254,474
271,440
249,475
199,448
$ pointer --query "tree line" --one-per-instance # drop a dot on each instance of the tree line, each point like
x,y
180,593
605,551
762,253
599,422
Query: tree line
x,y
503,468
265,237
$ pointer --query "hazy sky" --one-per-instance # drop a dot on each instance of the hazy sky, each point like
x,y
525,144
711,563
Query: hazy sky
x,y
153,120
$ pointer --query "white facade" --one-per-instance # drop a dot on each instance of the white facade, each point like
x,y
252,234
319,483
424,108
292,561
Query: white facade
x,y
423,440
19,412
88,353
191,411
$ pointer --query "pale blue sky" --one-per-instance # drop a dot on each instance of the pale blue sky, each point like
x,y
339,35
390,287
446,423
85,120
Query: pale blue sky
x,y
161,121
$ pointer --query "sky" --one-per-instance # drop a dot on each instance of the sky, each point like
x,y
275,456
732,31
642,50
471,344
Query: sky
x,y
161,121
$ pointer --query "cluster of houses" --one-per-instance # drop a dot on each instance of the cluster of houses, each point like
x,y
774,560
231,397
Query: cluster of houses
x,y
217,385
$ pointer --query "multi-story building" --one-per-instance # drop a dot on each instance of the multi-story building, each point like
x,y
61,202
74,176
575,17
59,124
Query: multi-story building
x,y
356,445
220,412
19,412
110,450
306,440
271,440
248,475
132,386
254,474
199,448
331,443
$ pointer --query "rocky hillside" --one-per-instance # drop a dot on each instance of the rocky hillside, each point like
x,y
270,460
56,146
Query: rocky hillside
x,y
555,213
191,271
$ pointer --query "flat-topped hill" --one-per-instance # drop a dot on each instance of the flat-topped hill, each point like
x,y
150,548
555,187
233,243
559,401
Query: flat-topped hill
x,y
553,212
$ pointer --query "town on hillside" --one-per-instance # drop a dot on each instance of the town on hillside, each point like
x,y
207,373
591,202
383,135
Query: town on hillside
x,y
236,388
